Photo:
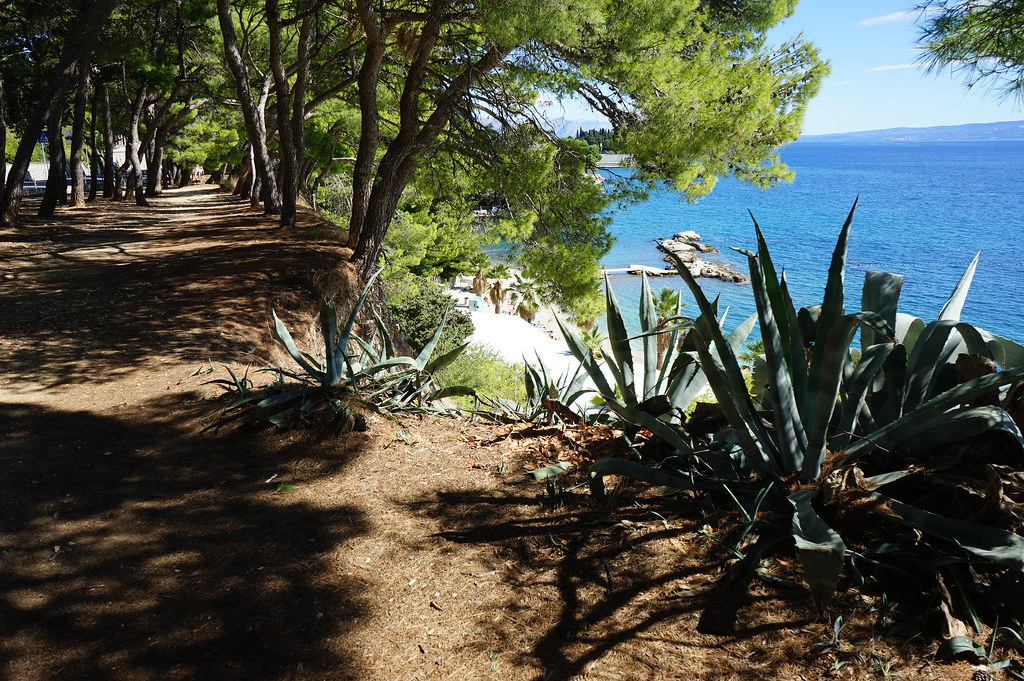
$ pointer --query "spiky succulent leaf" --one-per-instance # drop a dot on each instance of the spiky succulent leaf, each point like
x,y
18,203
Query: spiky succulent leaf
x,y
283,336
954,306
621,362
820,548
984,541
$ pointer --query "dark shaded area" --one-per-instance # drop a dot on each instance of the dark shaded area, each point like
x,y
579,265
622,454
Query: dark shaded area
x,y
90,302
171,561
597,550
138,542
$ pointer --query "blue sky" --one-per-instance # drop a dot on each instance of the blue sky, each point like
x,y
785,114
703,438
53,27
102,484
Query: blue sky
x,y
876,82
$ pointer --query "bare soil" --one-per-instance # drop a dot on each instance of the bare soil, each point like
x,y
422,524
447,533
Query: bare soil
x,y
142,537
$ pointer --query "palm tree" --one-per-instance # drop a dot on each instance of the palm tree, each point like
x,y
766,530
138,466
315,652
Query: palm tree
x,y
667,304
497,295
527,293
593,337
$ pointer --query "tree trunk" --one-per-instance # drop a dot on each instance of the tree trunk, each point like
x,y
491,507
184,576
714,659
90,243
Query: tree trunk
x,y
94,159
255,125
290,119
78,134
134,143
56,181
376,192
109,172
3,137
82,33
369,122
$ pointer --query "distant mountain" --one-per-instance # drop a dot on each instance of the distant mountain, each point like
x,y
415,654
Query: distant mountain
x,y
1008,130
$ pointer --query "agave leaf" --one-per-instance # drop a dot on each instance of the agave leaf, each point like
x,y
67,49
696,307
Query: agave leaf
x,y
387,343
797,344
962,646
939,343
881,295
428,349
648,322
833,303
450,391
819,548
586,358
370,355
552,470
335,357
282,334
621,364
439,363
377,367
955,304
855,389
343,337
790,436
827,368
984,541
964,392
638,471
727,381
908,329
775,299
1012,352
921,437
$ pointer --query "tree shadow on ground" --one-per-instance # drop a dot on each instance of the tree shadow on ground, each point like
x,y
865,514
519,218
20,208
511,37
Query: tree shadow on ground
x,y
90,303
163,553
600,588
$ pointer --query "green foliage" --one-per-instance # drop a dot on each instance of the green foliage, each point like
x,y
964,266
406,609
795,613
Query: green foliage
x,y
417,316
209,138
841,429
983,41
602,138
483,369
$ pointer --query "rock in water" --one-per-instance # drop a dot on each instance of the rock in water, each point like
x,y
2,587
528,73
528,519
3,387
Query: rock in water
x,y
687,246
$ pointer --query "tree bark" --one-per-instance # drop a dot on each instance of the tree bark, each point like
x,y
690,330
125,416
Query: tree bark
x,y
109,179
3,137
134,144
94,159
82,32
369,225
78,134
56,182
255,124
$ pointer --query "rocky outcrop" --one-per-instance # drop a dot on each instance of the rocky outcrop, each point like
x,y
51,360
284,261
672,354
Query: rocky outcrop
x,y
687,246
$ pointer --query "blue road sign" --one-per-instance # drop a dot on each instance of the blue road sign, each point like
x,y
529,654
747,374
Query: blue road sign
x,y
44,137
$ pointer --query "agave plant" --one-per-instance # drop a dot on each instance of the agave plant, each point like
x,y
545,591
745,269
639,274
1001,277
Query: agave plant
x,y
549,398
377,379
832,409
653,396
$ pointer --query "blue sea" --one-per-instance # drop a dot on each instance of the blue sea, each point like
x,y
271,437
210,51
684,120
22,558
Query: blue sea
x,y
925,209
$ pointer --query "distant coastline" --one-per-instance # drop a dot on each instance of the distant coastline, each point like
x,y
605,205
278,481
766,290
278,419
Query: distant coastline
x,y
970,132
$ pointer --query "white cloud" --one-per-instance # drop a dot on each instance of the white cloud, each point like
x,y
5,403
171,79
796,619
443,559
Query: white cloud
x,y
891,67
906,15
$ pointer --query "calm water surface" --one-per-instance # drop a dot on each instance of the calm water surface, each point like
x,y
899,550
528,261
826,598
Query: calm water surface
x,y
925,209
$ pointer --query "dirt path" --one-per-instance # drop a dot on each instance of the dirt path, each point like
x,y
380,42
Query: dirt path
x,y
142,539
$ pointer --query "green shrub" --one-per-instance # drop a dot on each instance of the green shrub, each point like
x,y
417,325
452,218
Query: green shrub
x,y
484,370
417,316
